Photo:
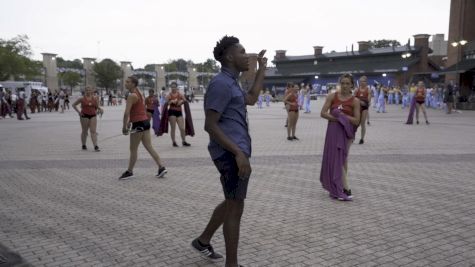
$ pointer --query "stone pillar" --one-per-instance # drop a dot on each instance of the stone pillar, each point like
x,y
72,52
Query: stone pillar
x,y
126,72
51,73
192,78
89,76
247,77
421,41
160,79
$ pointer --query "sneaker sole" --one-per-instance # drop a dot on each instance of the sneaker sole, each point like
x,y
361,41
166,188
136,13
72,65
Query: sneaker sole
x,y
126,178
161,174
204,256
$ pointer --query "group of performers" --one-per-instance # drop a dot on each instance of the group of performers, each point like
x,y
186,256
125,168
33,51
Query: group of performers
x,y
19,102
141,114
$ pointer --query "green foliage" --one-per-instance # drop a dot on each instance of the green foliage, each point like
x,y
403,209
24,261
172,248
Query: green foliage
x,y
210,65
70,78
384,43
149,67
107,72
15,61
177,65
72,64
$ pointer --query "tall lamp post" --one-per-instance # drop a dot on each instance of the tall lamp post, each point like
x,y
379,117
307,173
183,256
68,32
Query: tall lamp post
x,y
405,56
458,44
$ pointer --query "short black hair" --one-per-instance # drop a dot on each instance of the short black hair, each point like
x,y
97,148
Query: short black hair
x,y
134,80
223,44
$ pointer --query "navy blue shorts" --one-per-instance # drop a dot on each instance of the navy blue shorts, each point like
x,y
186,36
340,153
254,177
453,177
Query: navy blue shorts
x,y
234,187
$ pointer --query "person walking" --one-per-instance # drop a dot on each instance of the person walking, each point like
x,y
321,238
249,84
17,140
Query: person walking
x,y
137,124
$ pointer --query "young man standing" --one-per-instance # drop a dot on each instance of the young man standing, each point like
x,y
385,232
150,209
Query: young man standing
x,y
230,144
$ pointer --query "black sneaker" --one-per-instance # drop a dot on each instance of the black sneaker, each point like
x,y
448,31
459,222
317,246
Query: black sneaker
x,y
174,144
96,148
161,172
348,193
361,141
184,143
290,138
427,122
126,175
295,138
206,251
84,147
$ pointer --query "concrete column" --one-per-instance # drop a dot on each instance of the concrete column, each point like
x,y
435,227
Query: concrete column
x,y
421,41
126,67
161,80
90,77
192,77
51,73
247,77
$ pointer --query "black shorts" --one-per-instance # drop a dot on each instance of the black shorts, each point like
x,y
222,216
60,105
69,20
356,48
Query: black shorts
x,y
420,102
140,126
364,105
176,113
234,187
85,116
150,111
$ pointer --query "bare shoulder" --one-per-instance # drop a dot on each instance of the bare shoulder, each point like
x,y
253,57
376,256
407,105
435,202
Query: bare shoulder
x,y
331,96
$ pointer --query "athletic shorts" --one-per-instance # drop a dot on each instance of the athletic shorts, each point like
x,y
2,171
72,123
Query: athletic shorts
x,y
176,113
86,116
150,111
140,126
234,187
420,102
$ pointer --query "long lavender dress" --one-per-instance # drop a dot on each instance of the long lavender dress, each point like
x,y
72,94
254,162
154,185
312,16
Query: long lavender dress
x,y
156,116
410,118
335,153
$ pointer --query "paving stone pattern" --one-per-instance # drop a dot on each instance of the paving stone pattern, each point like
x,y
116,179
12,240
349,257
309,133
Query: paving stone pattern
x,y
414,190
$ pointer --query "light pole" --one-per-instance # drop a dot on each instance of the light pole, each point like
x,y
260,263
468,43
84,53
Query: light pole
x,y
405,56
458,44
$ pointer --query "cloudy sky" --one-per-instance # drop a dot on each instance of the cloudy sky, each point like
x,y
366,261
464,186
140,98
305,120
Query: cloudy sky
x,y
154,31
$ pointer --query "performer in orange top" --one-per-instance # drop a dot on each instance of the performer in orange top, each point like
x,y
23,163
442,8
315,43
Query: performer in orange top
x,y
175,115
291,100
89,108
363,94
420,100
136,123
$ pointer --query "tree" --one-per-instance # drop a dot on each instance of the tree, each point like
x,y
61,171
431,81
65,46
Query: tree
x,y
210,65
71,64
149,67
70,78
107,72
383,43
177,65
14,59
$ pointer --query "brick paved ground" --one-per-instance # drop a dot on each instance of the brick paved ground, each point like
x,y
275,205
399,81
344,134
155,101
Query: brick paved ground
x,y
414,190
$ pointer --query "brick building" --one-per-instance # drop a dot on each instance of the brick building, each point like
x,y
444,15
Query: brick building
x,y
461,48
383,65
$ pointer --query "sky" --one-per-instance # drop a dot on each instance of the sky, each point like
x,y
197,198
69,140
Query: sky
x,y
156,31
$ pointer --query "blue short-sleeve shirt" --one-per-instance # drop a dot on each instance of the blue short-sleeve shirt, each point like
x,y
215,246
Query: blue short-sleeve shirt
x,y
225,96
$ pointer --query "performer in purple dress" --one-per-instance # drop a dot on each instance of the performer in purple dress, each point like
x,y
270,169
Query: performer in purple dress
x,y
342,110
